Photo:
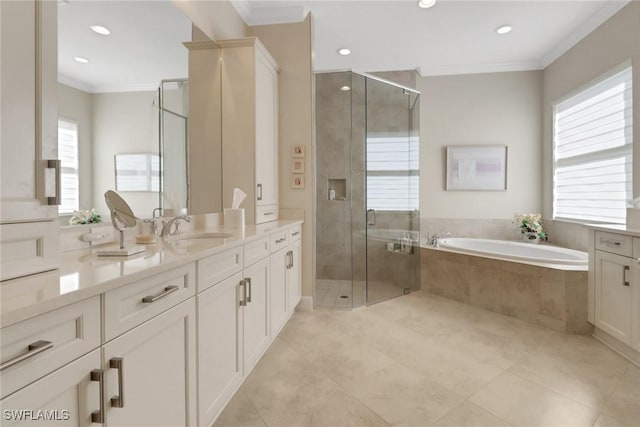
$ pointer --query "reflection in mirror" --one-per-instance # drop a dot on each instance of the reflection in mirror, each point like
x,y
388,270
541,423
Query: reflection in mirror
x,y
119,101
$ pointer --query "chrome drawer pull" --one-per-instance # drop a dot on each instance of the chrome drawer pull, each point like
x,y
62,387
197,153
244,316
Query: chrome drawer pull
x,y
295,233
98,416
167,291
610,242
280,240
118,363
33,349
268,213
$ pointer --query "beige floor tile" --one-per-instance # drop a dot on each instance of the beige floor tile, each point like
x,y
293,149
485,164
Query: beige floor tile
x,y
607,421
524,403
287,390
403,397
239,413
576,366
470,415
624,403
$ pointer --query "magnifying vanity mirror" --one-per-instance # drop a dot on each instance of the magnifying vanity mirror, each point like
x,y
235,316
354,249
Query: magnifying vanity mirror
x,y
122,218
123,90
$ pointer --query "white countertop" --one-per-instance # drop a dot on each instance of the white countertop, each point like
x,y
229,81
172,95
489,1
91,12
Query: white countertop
x,y
615,228
83,274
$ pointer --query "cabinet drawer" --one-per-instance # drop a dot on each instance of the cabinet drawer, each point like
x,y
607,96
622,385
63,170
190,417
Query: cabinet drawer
x,y
34,347
215,268
614,243
279,240
28,248
295,233
133,304
636,247
256,250
266,213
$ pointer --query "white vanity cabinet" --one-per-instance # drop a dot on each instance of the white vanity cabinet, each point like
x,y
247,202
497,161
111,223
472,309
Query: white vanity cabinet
x,y
29,172
294,273
285,277
615,277
250,126
150,372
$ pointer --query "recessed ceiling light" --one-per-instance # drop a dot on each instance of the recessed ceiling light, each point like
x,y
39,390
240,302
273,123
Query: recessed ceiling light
x,y
100,30
81,60
426,4
344,51
345,88
503,29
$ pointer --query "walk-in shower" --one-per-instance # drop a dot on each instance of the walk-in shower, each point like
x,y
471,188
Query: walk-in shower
x,y
367,195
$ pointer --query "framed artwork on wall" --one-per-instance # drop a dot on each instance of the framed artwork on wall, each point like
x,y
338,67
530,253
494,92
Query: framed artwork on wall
x,y
476,167
297,165
297,181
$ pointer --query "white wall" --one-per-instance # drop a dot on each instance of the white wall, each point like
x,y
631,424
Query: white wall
x,y
75,105
614,42
125,122
481,109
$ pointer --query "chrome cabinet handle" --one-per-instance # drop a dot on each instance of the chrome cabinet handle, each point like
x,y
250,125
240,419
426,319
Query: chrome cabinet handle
x,y
371,217
98,416
33,350
118,363
610,242
259,191
56,165
268,213
295,233
248,281
291,255
243,290
625,280
280,240
153,298
290,258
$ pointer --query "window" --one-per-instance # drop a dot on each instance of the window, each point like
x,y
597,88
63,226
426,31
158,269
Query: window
x,y
593,149
392,173
68,153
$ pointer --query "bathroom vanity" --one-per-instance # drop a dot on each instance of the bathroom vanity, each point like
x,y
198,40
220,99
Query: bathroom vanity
x,y
614,287
163,338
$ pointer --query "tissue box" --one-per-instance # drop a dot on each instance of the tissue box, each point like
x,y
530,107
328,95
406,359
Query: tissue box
x,y
633,218
234,218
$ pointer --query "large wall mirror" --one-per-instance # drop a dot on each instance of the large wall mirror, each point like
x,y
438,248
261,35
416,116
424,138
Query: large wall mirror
x,y
123,91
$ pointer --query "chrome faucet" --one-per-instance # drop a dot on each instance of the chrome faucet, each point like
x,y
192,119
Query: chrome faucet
x,y
435,237
171,227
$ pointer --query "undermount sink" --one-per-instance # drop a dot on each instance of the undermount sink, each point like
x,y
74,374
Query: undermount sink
x,y
201,236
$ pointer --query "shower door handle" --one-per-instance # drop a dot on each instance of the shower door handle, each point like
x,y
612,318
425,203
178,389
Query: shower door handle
x,y
371,217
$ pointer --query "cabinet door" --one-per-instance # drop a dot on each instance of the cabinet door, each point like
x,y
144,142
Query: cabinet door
x,y
29,135
66,397
219,361
613,295
29,113
255,314
635,303
266,133
156,380
278,290
294,277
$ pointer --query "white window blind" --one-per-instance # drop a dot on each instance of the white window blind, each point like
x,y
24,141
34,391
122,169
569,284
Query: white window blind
x,y
392,173
593,147
68,153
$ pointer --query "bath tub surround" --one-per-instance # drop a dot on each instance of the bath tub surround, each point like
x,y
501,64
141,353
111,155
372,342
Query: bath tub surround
x,y
551,297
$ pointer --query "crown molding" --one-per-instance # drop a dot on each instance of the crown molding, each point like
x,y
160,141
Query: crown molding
x,y
603,14
137,87
455,69
76,84
255,15
243,7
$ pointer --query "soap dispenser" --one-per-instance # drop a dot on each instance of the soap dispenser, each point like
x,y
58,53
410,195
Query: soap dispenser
x,y
332,193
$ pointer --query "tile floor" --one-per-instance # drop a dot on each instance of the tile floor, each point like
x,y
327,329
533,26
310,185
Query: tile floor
x,y
331,293
422,360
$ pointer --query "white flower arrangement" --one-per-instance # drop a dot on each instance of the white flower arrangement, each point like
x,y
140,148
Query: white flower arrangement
x,y
85,216
531,223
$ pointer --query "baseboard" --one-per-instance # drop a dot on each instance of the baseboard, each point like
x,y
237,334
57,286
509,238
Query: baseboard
x,y
305,304
617,346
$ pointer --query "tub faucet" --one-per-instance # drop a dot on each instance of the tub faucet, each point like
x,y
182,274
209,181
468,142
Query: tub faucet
x,y
435,237
171,227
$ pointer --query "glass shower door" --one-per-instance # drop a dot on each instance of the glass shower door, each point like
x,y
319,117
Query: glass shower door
x,y
390,192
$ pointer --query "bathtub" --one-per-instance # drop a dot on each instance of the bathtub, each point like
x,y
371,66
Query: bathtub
x,y
525,253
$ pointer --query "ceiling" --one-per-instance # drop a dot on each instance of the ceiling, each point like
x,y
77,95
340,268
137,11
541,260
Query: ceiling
x,y
453,37
145,45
